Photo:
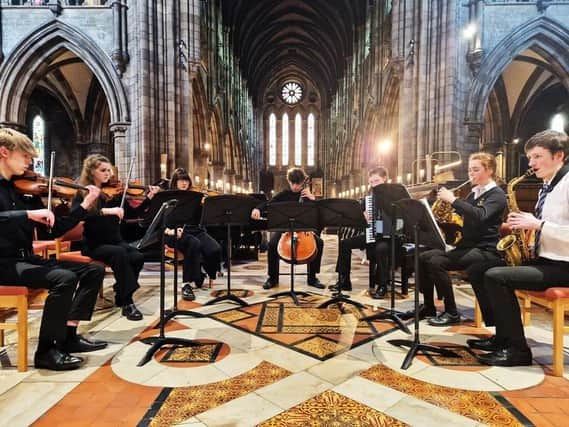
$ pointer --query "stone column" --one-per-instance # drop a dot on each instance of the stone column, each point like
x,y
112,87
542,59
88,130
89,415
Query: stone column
x,y
122,153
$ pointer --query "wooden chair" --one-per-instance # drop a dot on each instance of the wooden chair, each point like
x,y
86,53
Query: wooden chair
x,y
18,298
557,300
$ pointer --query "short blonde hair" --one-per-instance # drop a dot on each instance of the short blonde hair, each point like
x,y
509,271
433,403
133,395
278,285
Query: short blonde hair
x,y
14,140
488,161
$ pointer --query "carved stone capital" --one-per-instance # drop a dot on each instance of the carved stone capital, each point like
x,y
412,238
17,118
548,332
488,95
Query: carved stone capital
x,y
119,129
474,58
55,7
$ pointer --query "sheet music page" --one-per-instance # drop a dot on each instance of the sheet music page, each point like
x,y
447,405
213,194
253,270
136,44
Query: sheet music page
x,y
432,216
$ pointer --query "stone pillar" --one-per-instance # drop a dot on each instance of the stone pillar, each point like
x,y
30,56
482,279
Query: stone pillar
x,y
229,181
217,176
122,153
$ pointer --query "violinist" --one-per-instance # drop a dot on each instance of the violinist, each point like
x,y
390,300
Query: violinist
x,y
376,176
195,243
102,238
482,211
73,287
296,178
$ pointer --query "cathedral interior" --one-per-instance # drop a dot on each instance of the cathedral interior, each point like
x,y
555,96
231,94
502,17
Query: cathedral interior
x,y
237,92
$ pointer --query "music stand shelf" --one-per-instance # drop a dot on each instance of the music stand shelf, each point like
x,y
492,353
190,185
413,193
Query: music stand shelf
x,y
229,211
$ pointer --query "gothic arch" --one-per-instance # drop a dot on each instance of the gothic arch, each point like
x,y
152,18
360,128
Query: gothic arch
x,y
21,70
546,35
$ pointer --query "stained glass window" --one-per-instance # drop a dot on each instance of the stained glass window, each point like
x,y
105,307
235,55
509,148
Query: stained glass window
x,y
272,140
291,93
298,139
285,139
310,141
38,126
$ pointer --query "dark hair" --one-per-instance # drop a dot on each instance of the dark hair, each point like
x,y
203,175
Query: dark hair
x,y
295,175
180,174
381,171
551,140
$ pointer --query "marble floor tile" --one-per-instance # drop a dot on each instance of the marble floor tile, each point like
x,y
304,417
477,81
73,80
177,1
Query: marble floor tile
x,y
245,411
293,390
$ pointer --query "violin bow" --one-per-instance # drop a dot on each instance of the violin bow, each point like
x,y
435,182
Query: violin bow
x,y
50,184
130,168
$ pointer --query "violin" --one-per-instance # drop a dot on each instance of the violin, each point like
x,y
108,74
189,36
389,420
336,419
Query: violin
x,y
300,243
114,189
37,185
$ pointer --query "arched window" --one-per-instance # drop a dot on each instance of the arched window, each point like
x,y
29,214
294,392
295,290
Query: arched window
x,y
38,126
284,139
272,140
310,141
298,139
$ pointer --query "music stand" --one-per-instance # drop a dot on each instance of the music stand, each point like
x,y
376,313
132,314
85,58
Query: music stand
x,y
290,217
161,340
385,196
341,213
228,210
420,222
186,211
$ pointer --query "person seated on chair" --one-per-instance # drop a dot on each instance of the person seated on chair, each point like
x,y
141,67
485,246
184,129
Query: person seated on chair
x,y
72,286
198,247
482,212
296,191
376,176
495,284
102,238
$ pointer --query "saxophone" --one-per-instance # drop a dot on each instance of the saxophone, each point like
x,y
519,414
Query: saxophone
x,y
515,246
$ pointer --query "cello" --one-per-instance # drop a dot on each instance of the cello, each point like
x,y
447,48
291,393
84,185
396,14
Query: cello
x,y
301,244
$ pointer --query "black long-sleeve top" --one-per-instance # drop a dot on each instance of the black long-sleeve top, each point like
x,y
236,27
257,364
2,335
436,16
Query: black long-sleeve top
x,y
101,229
284,196
16,230
482,218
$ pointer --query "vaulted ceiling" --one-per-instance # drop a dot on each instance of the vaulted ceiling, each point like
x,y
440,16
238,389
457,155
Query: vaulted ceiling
x,y
311,39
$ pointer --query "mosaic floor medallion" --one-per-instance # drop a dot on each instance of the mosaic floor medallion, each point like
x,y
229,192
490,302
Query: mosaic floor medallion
x,y
331,409
319,333
239,293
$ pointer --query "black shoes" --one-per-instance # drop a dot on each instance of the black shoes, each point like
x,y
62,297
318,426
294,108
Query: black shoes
x,y
315,283
188,293
509,356
57,360
80,344
424,313
379,293
488,344
131,312
445,319
199,282
269,283
343,285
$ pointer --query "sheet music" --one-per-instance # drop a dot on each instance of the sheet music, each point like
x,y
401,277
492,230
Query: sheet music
x,y
432,216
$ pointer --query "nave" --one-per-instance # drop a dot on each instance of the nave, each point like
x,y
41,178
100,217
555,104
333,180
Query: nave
x,y
272,364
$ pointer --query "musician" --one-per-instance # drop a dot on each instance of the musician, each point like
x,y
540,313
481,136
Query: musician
x,y
547,152
296,191
102,238
376,176
73,287
482,212
195,243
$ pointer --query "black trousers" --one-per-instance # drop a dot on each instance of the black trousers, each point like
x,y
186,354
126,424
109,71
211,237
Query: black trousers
x,y
273,258
72,286
500,284
210,251
434,265
126,263
381,252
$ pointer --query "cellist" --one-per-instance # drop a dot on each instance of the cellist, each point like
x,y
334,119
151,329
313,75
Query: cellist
x,y
295,193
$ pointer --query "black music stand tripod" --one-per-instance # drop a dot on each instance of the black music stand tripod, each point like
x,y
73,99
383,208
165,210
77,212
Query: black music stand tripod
x,y
292,217
341,213
185,212
161,340
418,219
385,195
228,210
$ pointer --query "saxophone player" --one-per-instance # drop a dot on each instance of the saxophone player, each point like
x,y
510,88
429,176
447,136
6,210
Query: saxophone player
x,y
547,153
482,211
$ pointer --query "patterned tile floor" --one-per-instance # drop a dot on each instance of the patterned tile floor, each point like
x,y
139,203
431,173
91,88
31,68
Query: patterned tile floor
x,y
273,364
